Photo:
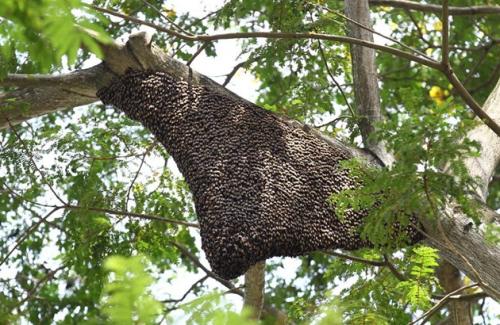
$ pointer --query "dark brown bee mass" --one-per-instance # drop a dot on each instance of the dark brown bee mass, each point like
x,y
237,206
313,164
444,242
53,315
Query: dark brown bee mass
x,y
260,184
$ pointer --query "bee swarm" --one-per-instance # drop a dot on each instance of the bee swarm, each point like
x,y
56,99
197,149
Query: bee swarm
x,y
260,184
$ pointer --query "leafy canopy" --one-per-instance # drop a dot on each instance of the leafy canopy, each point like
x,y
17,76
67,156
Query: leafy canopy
x,y
84,262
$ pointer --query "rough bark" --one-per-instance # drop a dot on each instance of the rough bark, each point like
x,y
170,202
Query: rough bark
x,y
459,243
39,95
364,73
368,107
450,279
254,289
483,167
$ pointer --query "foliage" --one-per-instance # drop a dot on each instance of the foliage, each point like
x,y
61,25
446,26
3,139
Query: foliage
x,y
417,290
126,300
33,34
416,183
56,265
210,309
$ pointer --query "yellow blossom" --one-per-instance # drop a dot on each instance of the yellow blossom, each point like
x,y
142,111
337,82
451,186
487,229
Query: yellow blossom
x,y
437,94
438,25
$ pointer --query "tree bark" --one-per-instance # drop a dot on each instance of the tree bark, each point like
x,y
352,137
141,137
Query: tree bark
x,y
450,279
364,72
464,247
254,289
38,95
484,166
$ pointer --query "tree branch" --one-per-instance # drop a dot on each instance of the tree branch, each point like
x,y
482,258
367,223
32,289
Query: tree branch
x,y
317,36
445,38
436,9
112,50
38,95
440,304
191,288
274,35
330,73
484,166
133,215
254,289
364,73
370,29
355,258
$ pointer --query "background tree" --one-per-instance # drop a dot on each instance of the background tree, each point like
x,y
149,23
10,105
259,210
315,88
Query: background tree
x,y
81,185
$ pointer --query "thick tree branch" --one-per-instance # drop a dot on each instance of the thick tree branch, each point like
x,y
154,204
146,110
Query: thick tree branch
x,y
37,95
254,289
436,9
483,257
483,167
365,80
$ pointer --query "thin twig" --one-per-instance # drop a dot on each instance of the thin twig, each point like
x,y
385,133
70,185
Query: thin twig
x,y
445,38
393,269
28,153
194,285
493,78
240,65
476,66
417,27
134,215
441,303
436,9
373,31
325,62
33,290
144,155
27,233
355,258
466,297
20,196
335,120
185,251
165,17
200,49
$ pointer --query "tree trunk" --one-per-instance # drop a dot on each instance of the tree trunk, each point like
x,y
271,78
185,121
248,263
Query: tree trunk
x,y
450,279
